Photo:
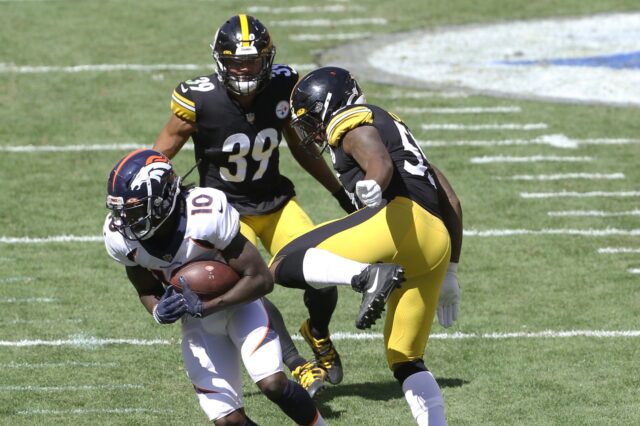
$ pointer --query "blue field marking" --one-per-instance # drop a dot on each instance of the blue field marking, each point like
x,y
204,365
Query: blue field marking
x,y
629,60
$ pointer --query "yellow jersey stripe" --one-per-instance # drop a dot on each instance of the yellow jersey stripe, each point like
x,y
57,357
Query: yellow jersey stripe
x,y
183,107
244,26
347,120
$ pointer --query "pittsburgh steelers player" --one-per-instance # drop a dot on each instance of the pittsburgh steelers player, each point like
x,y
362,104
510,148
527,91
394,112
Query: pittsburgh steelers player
x,y
155,225
411,217
236,118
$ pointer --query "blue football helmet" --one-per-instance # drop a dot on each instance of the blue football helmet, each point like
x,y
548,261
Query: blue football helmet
x,y
141,193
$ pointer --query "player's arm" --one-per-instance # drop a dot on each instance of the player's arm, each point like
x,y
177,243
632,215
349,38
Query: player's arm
x,y
451,212
165,305
310,159
174,135
255,281
366,147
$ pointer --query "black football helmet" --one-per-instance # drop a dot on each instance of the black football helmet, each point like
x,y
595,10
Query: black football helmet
x,y
141,193
243,52
317,97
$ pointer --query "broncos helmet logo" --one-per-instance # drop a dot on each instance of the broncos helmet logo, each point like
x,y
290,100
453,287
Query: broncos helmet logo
x,y
153,171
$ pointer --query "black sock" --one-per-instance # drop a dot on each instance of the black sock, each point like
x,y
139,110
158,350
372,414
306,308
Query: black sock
x,y
296,403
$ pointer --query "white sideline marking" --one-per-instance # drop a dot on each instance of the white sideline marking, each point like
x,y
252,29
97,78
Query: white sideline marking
x,y
622,194
332,36
82,411
556,141
461,110
487,159
84,342
495,126
16,280
598,213
328,22
578,232
27,300
58,364
616,250
561,176
334,8
66,388
634,271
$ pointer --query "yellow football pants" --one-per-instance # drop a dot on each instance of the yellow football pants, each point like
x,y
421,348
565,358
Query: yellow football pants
x,y
278,228
401,232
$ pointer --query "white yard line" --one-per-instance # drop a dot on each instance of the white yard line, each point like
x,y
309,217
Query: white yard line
x,y
577,232
52,239
85,411
306,23
563,176
330,36
634,271
351,336
460,110
420,95
7,280
556,141
617,250
488,159
74,364
573,194
333,8
494,126
27,299
595,213
66,388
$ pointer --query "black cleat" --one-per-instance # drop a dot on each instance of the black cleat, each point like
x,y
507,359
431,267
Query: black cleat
x,y
376,283
311,377
324,352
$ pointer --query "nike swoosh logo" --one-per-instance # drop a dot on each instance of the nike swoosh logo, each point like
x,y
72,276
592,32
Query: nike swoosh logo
x,y
184,89
375,283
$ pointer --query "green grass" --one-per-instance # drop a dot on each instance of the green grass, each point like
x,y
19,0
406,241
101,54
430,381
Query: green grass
x,y
510,284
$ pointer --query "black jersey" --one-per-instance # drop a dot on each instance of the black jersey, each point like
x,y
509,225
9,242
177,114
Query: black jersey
x,y
412,174
238,147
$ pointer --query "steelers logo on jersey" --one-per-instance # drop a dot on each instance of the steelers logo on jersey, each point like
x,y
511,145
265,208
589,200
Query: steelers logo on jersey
x,y
282,109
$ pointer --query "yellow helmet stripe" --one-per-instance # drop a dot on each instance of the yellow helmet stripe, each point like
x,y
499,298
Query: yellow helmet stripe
x,y
244,26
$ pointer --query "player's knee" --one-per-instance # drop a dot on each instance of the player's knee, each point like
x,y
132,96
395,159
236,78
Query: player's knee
x,y
288,272
273,386
405,369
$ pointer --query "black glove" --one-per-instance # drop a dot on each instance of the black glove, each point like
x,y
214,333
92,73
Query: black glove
x,y
170,308
346,200
192,301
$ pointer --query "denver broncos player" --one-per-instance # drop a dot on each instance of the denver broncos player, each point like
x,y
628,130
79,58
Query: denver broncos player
x,y
408,219
237,118
155,225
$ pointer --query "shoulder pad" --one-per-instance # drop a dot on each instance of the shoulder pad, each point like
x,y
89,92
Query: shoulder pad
x,y
210,217
115,244
347,119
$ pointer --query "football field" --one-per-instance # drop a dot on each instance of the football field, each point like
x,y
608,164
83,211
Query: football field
x,y
541,145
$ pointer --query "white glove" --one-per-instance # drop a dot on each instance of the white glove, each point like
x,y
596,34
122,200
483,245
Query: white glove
x,y
369,192
449,302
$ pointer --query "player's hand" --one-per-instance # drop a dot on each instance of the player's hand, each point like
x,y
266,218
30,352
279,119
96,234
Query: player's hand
x,y
170,308
345,200
449,302
192,301
369,192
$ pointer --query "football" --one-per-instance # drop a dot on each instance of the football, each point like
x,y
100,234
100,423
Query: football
x,y
207,278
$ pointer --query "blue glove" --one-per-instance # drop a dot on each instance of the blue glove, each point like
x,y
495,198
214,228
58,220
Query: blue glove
x,y
192,301
170,308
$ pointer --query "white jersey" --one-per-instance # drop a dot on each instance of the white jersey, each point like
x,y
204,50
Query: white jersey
x,y
208,226
212,346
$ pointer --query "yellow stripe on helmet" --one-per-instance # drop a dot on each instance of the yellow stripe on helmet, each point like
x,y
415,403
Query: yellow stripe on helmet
x,y
244,27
